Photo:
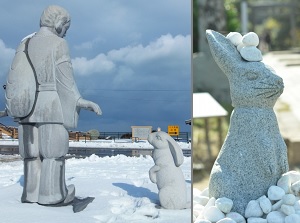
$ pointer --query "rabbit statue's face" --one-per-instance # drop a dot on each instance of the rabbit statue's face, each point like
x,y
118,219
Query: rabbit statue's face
x,y
252,84
158,140
166,150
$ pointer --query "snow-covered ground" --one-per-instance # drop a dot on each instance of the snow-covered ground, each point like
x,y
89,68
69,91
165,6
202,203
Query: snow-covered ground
x,y
121,186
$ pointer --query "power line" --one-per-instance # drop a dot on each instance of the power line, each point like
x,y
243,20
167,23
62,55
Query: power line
x,y
134,90
145,99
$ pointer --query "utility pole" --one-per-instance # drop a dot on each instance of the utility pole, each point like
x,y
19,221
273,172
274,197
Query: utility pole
x,y
244,16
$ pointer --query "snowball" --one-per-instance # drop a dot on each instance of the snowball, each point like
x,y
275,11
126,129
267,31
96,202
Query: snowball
x,y
213,214
236,216
250,39
251,54
256,220
265,204
226,220
275,217
295,188
289,199
93,158
275,193
293,218
287,209
253,209
235,38
224,204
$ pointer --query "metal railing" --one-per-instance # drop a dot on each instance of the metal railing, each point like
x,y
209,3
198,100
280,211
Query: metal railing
x,y
183,136
77,135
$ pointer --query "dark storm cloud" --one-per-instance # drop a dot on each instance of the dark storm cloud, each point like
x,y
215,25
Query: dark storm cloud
x,y
132,57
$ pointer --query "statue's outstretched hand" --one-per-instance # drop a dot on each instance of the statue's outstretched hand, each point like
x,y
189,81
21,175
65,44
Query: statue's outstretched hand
x,y
95,108
89,105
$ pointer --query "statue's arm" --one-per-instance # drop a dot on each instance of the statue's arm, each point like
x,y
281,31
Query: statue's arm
x,y
89,105
152,173
66,78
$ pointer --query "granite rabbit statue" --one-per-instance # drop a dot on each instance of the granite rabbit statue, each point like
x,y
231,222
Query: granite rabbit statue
x,y
166,173
254,155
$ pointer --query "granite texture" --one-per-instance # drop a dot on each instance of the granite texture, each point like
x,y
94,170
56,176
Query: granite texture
x,y
254,155
166,172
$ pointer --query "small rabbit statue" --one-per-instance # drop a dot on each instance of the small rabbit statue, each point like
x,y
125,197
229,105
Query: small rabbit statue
x,y
254,155
166,173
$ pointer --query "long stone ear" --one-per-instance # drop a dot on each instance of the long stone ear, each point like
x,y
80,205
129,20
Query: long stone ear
x,y
175,151
223,51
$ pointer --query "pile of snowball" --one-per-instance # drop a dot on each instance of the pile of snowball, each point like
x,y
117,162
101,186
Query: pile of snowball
x,y
246,45
281,204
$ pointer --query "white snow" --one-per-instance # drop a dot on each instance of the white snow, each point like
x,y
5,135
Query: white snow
x,y
121,186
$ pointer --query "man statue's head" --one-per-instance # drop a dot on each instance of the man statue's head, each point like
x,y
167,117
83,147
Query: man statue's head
x,y
57,19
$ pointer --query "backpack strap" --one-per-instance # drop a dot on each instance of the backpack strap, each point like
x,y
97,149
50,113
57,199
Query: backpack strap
x,y
35,76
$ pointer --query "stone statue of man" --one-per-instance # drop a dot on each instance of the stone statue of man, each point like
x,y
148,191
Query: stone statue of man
x,y
43,135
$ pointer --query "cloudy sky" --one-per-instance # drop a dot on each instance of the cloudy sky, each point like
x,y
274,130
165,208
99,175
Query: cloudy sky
x,y
131,57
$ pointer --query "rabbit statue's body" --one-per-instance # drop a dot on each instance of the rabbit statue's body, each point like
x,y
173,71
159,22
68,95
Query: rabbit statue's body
x,y
166,173
254,155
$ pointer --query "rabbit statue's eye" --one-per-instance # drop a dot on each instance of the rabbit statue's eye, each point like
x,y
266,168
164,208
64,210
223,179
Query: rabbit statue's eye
x,y
251,76
158,137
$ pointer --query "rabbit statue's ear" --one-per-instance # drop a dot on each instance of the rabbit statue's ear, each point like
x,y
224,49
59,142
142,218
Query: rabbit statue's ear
x,y
223,51
176,151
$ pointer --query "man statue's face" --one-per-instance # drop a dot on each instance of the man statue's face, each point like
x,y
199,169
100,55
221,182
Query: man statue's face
x,y
64,30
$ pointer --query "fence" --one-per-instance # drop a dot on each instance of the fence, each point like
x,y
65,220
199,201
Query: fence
x,y
183,136
12,147
12,132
